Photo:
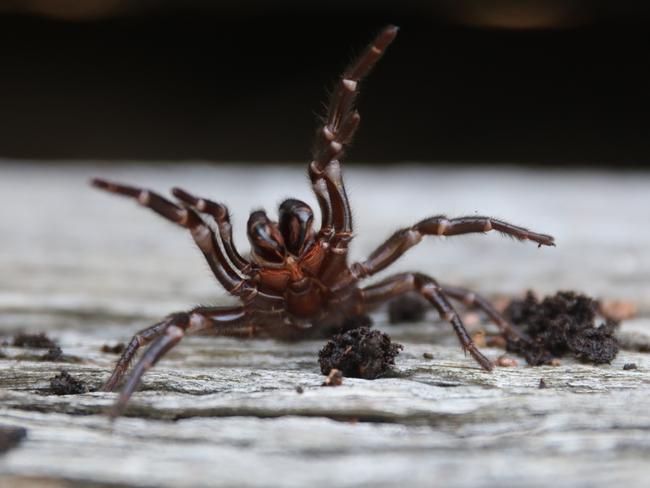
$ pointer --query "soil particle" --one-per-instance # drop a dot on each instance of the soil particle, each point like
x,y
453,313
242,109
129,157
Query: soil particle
x,y
542,384
300,390
334,378
478,338
559,325
427,355
10,437
64,384
407,308
629,366
116,349
506,362
618,310
37,341
359,353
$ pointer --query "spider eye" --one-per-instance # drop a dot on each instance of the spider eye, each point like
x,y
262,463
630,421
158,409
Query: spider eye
x,y
265,238
296,219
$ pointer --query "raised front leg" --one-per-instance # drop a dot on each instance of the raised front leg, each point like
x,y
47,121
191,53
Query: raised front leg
x,y
338,129
405,239
164,336
375,295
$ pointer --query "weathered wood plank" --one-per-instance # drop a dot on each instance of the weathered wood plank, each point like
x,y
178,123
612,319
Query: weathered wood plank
x,y
91,270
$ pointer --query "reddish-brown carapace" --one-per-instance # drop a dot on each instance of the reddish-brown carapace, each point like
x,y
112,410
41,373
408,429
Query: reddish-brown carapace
x,y
297,279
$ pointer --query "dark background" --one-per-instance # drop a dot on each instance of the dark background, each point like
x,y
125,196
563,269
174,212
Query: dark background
x,y
538,82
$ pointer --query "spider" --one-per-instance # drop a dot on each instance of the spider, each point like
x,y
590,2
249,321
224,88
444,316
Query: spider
x,y
297,279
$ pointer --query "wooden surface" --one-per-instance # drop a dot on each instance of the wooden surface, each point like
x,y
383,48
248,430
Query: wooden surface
x,y
91,269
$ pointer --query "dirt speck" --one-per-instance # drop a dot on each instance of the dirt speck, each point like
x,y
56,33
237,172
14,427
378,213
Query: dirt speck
x,y
300,390
427,355
617,310
562,324
10,437
479,339
506,362
629,366
407,308
65,384
334,378
359,353
542,384
37,341
116,349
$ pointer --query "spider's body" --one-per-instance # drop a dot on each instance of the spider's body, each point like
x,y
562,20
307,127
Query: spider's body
x,y
297,281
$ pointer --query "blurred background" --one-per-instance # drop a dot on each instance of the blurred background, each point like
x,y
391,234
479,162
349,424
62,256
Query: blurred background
x,y
553,82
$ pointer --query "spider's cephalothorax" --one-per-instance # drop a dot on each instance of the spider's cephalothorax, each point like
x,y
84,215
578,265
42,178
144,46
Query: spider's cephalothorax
x,y
298,279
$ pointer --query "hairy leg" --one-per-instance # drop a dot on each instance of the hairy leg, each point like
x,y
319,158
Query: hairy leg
x,y
221,216
203,236
231,321
393,286
140,339
404,239
472,299
332,137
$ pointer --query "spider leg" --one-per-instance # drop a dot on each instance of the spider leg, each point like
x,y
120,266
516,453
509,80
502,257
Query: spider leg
x,y
158,348
404,239
164,336
140,339
221,216
201,233
333,136
472,299
222,316
393,286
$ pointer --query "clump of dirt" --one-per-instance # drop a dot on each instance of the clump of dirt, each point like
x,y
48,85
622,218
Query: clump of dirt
x,y
116,349
359,353
37,341
559,325
10,437
65,384
407,308
629,366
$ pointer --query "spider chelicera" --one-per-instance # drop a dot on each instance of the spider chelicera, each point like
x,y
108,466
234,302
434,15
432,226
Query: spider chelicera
x,y
298,279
